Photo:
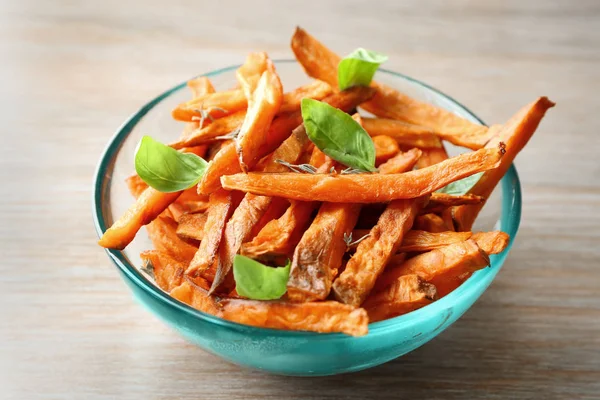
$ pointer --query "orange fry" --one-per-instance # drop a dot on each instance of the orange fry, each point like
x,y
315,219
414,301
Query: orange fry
x,y
211,132
365,188
168,272
426,241
191,226
275,210
262,108
163,234
451,261
321,63
431,223
217,105
385,148
491,242
146,208
432,156
515,133
200,86
319,253
403,133
315,90
250,72
279,131
407,293
372,254
324,316
403,161
221,207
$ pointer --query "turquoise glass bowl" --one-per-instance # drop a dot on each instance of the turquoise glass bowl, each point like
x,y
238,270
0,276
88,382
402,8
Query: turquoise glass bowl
x,y
276,351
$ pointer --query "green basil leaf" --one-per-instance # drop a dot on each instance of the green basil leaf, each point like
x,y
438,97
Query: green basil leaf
x,y
257,281
336,134
462,186
166,169
358,68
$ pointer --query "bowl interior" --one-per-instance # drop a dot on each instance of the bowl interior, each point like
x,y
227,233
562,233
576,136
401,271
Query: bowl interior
x,y
112,198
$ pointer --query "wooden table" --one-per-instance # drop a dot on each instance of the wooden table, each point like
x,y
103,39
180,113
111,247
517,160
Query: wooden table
x,y
71,72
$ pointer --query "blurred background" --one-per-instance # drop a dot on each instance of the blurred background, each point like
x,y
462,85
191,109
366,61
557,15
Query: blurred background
x,y
72,71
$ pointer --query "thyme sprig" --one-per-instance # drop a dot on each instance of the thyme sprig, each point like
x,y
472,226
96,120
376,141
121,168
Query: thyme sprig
x,y
350,243
299,168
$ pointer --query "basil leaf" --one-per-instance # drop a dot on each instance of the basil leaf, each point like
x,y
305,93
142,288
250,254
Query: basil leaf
x,y
462,186
166,169
257,281
358,68
336,134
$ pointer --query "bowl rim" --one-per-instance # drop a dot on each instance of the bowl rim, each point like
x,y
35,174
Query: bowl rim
x,y
510,218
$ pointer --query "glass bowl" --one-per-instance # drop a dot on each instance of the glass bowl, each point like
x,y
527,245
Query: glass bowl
x,y
277,351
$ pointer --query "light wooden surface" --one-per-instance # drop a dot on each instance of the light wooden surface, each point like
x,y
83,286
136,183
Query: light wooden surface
x,y
71,72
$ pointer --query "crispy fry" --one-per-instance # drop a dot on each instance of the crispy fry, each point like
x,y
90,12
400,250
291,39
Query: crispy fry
x,y
275,210
163,234
453,260
315,90
515,133
447,217
191,226
431,223
250,72
321,63
355,283
385,148
443,200
221,207
200,86
211,132
365,188
403,133
403,161
136,185
407,293
195,296
280,129
324,317
425,241
146,208
168,272
217,105
262,108
432,156
491,242
252,208
189,202
319,253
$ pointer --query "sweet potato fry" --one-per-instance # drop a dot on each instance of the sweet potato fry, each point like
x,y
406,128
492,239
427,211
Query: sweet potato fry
x,y
403,133
252,208
262,108
515,133
168,272
321,63
385,148
355,283
211,132
136,185
491,242
279,131
432,156
221,207
146,208
446,215
191,226
163,234
431,223
438,200
324,317
365,188
453,260
217,105
195,296
319,254
200,86
315,90
403,161
426,241
189,202
275,210
250,72
407,293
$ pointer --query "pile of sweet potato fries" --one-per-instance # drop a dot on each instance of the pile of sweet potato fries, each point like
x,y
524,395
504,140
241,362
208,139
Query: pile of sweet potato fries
x,y
363,247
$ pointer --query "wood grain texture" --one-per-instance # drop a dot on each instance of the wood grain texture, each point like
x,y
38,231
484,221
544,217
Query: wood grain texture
x,y
72,71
